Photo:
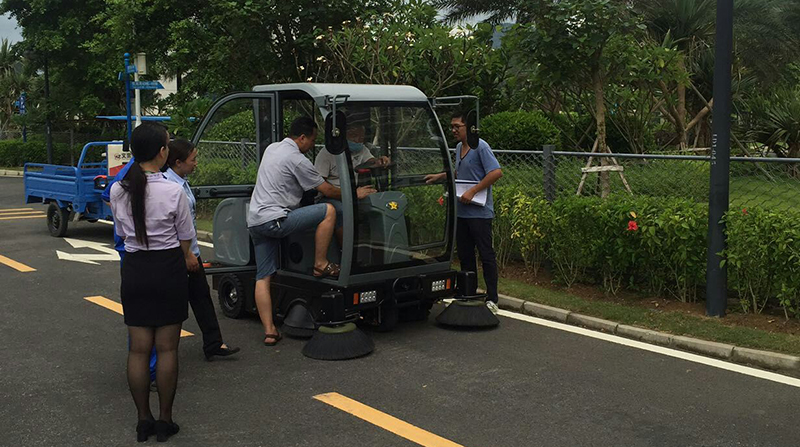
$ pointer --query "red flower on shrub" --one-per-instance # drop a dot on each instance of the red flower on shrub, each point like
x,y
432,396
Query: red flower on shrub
x,y
632,225
441,200
744,210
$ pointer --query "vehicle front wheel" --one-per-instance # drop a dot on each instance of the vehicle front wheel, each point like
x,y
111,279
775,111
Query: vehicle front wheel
x,y
57,219
231,294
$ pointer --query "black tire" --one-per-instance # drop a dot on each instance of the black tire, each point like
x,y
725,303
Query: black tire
x,y
57,219
231,295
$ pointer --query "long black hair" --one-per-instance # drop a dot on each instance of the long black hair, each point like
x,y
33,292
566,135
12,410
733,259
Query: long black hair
x,y
146,142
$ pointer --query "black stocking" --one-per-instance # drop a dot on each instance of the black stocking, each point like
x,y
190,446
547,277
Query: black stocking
x,y
141,343
166,339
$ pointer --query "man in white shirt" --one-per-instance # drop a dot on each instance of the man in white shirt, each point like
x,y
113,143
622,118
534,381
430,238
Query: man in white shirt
x,y
326,165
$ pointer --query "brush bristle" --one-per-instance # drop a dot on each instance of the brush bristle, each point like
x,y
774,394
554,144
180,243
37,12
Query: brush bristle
x,y
297,332
467,316
341,346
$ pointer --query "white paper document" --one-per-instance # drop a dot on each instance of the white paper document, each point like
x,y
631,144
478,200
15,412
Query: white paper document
x,y
463,186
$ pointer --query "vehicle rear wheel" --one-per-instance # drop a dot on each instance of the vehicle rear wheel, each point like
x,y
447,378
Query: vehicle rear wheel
x,y
57,219
231,295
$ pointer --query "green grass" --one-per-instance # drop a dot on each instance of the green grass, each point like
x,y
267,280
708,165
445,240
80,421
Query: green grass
x,y
677,323
205,225
778,195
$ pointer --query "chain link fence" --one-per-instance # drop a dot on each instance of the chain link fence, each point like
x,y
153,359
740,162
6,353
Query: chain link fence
x,y
754,181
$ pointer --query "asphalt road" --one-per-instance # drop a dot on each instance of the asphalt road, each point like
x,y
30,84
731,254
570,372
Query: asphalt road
x,y
62,376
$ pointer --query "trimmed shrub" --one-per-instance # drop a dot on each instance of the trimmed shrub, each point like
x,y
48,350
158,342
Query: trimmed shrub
x,y
763,258
519,131
14,153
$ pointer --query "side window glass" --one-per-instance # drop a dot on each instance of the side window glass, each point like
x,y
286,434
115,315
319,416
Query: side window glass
x,y
230,146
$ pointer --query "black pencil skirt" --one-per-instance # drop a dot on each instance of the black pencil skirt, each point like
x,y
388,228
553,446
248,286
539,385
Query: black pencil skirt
x,y
155,288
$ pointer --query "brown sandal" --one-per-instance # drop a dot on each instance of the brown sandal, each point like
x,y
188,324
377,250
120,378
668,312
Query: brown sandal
x,y
274,337
330,270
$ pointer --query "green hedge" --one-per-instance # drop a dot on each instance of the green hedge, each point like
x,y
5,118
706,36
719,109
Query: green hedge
x,y
519,131
16,153
653,245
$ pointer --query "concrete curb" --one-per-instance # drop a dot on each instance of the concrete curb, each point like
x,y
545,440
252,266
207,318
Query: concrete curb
x,y
10,173
205,236
754,357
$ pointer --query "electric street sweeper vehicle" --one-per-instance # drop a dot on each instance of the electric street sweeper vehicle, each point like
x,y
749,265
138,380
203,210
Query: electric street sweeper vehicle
x,y
396,247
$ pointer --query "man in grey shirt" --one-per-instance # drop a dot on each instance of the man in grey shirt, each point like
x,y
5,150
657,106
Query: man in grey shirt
x,y
283,176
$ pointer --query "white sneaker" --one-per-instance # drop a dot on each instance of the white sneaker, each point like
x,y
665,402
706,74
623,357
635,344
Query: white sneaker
x,y
492,306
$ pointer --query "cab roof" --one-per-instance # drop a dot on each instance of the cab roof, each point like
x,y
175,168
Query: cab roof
x,y
357,92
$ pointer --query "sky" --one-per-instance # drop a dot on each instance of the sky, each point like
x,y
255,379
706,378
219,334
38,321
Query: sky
x,y
8,29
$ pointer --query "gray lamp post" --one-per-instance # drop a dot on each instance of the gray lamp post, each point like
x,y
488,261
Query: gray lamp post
x,y
718,199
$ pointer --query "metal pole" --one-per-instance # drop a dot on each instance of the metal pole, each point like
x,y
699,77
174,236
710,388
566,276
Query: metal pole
x,y
718,198
24,110
549,167
128,95
138,101
47,129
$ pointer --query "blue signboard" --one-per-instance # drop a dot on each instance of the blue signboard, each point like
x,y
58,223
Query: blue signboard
x,y
146,85
130,68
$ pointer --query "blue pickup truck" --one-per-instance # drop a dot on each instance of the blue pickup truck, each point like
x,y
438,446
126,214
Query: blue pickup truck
x,y
73,192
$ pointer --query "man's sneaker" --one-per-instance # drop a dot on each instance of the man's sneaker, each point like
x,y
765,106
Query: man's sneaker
x,y
492,306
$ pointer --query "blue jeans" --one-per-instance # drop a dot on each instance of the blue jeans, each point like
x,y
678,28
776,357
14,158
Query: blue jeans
x,y
267,236
337,205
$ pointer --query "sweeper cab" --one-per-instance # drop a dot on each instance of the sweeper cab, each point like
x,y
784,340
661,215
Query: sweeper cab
x,y
397,244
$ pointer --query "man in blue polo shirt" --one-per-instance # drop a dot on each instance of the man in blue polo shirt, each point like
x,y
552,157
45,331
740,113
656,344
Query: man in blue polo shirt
x,y
474,223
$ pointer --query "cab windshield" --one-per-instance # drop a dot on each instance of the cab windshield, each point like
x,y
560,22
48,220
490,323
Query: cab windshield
x,y
394,148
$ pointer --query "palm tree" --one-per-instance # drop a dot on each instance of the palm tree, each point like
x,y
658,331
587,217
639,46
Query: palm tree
x,y
776,122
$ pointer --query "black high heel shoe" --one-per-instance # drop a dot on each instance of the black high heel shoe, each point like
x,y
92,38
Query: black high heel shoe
x,y
165,429
222,352
144,429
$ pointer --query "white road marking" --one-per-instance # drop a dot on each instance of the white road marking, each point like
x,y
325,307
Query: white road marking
x,y
746,370
105,253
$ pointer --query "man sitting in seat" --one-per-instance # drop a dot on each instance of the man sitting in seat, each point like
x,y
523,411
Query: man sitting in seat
x,y
329,170
274,213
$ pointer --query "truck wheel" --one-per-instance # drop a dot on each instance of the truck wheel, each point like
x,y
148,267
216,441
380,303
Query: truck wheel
x,y
231,294
57,219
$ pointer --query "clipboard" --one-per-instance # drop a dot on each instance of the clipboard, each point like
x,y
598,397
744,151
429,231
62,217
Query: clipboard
x,y
463,186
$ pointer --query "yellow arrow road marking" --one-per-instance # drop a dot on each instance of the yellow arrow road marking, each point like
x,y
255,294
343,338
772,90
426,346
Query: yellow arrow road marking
x,y
385,421
15,209
18,266
22,217
117,307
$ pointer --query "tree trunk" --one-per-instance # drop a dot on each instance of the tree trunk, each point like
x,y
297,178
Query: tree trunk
x,y
680,119
794,151
600,117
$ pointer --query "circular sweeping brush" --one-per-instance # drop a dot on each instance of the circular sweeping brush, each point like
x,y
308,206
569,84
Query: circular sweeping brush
x,y
468,309
467,313
298,322
340,342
